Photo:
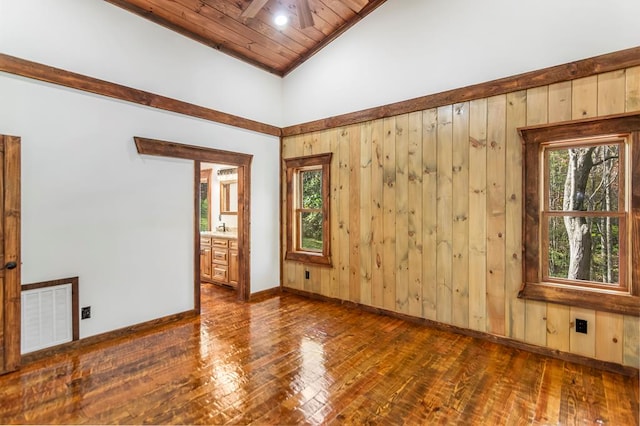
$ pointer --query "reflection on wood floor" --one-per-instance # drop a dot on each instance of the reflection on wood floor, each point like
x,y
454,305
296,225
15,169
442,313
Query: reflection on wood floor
x,y
290,360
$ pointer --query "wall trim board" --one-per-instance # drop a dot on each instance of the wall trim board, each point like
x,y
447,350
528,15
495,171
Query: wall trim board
x,y
125,332
48,74
570,71
501,340
263,295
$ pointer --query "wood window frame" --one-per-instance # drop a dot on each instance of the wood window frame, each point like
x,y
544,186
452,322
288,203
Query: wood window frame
x,y
294,252
534,286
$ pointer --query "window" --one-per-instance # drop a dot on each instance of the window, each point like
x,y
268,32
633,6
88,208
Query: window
x,y
308,202
205,196
582,213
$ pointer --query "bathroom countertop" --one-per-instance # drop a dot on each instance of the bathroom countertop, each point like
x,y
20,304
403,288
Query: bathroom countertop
x,y
231,233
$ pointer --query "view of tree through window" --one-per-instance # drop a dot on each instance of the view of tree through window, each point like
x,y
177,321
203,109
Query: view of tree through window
x,y
583,212
204,205
308,232
311,210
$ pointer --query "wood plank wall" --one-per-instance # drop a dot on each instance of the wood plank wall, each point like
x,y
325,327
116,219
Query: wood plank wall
x,y
427,208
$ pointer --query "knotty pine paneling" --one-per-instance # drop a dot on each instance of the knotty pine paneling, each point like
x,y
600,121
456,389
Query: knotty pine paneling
x,y
514,307
426,215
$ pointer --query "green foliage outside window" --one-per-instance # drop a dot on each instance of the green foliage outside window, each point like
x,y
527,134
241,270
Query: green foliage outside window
x,y
584,179
204,207
311,221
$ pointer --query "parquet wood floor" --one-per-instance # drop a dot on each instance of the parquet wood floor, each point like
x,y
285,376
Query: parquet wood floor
x,y
291,360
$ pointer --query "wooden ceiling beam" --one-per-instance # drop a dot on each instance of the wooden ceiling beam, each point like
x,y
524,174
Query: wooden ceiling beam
x,y
304,14
254,7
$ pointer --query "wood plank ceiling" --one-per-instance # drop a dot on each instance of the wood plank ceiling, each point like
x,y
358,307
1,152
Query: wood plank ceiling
x,y
227,25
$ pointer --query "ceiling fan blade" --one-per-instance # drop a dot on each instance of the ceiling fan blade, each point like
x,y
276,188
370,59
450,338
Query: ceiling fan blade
x,y
254,7
304,14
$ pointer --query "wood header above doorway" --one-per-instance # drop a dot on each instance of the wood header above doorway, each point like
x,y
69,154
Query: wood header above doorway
x,y
189,152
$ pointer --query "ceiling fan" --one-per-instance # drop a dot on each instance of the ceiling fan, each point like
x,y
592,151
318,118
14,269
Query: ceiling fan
x,y
304,11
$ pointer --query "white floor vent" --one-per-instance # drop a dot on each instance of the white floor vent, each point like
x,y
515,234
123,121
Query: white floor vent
x,y
47,317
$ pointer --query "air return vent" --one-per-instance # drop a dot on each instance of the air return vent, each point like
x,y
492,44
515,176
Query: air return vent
x,y
47,315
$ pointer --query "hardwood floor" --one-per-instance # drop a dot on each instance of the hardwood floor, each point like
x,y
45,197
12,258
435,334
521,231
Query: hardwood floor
x,y
291,360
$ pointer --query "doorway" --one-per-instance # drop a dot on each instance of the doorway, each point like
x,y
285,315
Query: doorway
x,y
218,222
242,162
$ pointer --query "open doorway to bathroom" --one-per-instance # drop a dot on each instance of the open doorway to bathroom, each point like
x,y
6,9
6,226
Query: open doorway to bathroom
x,y
223,179
209,155
218,224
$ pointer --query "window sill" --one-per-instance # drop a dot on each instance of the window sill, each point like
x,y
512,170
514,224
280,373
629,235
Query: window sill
x,y
312,258
608,301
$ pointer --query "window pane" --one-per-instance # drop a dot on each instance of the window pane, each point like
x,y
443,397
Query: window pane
x,y
584,248
311,181
311,232
204,206
584,178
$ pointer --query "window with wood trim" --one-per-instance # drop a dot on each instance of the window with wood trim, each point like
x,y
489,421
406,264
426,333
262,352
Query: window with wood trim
x,y
308,209
582,213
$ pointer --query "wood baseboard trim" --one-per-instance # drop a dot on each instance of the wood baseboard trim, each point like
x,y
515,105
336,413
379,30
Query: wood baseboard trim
x,y
501,340
265,294
103,337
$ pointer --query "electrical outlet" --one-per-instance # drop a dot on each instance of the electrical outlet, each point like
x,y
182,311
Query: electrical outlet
x,y
581,326
85,312
306,275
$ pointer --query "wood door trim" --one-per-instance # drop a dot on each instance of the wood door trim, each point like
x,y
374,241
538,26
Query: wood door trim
x,y
36,71
209,155
11,228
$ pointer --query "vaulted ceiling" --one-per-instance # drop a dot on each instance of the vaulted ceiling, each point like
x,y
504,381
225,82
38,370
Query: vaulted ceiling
x,y
246,29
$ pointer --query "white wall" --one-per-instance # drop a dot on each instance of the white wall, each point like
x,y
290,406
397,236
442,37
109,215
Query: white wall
x,y
91,205
122,222
411,48
98,39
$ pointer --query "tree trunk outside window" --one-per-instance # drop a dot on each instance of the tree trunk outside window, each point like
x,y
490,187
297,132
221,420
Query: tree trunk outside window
x,y
578,229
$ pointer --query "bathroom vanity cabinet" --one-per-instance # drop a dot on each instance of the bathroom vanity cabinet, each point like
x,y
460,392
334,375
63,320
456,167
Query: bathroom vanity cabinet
x,y
219,260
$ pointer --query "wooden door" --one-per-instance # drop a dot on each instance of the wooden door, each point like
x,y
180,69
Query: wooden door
x,y
9,253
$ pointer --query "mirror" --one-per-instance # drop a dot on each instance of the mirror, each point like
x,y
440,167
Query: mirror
x,y
229,197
